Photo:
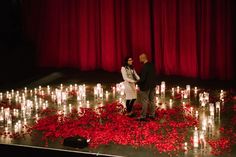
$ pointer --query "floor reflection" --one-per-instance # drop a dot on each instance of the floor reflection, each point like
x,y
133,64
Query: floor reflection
x,y
20,108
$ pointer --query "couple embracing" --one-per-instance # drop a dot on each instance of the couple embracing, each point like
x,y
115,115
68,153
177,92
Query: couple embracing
x,y
146,82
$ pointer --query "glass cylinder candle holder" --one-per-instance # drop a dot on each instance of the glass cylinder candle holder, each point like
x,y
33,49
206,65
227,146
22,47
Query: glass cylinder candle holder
x,y
70,88
75,86
113,91
177,90
206,97
185,146
157,89
221,94
202,140
163,87
107,95
88,104
211,109
188,89
195,138
157,100
70,108
196,114
195,91
1,96
64,109
1,116
173,91
218,107
61,86
185,94
191,110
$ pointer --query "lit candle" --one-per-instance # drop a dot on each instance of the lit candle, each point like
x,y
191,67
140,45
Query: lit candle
x,y
12,92
70,108
120,100
26,90
31,92
203,104
76,87
71,87
1,115
185,146
210,124
206,96
211,109
88,105
157,100
204,124
36,117
195,138
113,91
64,109
177,90
196,114
157,89
136,87
173,91
191,110
163,87
25,121
107,94
16,128
185,94
0,96
35,90
195,90
6,129
221,94
202,139
40,88
44,106
48,90
218,106
188,89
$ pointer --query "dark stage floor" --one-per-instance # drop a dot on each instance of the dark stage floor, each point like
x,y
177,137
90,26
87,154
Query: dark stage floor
x,y
33,146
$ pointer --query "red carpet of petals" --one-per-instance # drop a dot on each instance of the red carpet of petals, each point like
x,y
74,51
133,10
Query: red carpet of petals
x,y
108,124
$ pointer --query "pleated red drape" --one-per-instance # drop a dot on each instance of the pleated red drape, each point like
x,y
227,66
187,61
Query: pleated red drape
x,y
189,38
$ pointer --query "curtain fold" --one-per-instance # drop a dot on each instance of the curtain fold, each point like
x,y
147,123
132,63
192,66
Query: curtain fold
x,y
190,38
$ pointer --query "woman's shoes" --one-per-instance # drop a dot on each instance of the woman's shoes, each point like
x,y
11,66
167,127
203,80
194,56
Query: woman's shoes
x,y
130,114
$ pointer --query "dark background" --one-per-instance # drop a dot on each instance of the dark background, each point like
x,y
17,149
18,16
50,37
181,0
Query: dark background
x,y
17,54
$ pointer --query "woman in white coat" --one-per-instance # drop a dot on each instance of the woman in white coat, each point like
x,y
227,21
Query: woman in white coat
x,y
130,78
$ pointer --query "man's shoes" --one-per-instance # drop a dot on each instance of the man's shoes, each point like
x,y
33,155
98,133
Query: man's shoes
x,y
152,118
141,119
131,115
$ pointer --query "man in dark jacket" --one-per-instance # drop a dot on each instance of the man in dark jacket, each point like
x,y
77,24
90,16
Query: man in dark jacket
x,y
147,84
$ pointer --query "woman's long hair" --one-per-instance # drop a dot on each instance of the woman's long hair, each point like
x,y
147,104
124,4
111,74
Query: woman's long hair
x,y
126,65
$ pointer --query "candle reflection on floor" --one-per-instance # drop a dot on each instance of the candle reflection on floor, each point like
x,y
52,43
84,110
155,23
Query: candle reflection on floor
x,y
29,103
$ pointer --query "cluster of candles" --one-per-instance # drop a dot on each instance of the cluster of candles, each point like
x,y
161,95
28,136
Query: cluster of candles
x,y
209,113
160,91
31,101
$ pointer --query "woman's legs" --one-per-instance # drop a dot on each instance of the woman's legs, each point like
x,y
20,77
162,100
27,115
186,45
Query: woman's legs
x,y
129,106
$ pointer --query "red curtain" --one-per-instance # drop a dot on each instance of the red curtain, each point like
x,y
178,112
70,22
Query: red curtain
x,y
189,38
